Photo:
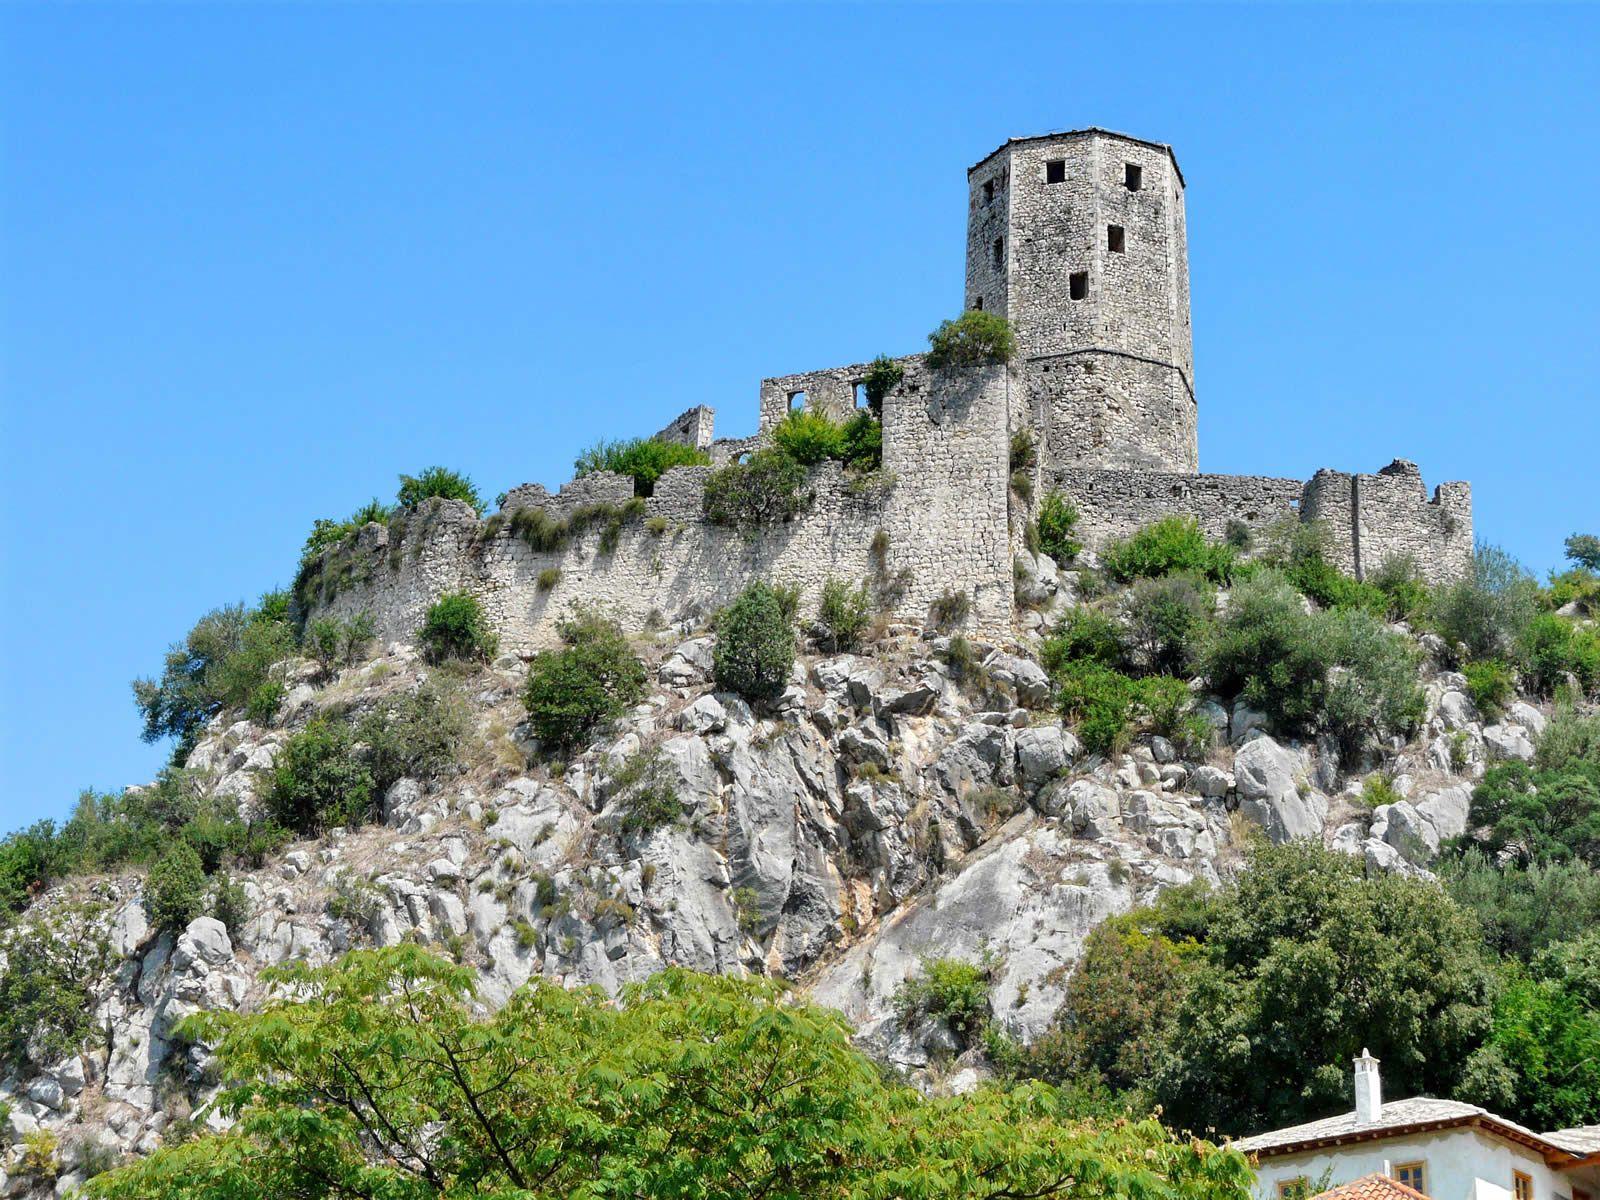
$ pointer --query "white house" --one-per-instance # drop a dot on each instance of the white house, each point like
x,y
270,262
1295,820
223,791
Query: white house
x,y
1444,1149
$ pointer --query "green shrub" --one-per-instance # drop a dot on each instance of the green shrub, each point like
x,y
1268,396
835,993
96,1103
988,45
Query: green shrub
x,y
1540,816
755,643
1299,549
767,490
265,701
438,482
1100,701
335,643
174,890
1238,535
950,608
645,459
1057,522
52,970
455,628
318,780
1554,647
593,678
1492,685
1171,544
230,904
947,989
1269,652
1579,586
1378,790
548,578
1485,614
882,377
415,735
1407,593
647,795
861,442
809,437
220,665
1166,620
973,339
1584,549
1084,634
843,614
1371,686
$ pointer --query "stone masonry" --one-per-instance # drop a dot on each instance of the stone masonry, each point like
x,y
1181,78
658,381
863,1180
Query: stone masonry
x,y
1079,239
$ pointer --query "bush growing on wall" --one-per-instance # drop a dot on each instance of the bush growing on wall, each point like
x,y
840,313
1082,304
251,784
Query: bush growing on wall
x,y
973,339
755,643
440,482
1170,544
809,437
594,677
645,459
861,442
767,490
455,628
842,615
47,986
882,377
1057,525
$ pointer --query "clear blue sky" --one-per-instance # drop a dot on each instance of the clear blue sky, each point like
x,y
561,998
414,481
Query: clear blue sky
x,y
257,261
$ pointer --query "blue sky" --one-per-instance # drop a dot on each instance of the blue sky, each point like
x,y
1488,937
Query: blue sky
x,y
258,260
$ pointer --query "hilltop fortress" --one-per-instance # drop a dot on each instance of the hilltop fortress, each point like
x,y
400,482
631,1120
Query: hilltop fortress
x,y
1078,239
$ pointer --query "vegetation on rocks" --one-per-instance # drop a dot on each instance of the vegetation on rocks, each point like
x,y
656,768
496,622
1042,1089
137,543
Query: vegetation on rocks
x,y
455,627
438,483
593,678
755,643
646,460
767,490
974,339
174,890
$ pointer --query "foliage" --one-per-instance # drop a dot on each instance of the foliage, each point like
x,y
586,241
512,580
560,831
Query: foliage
x,y
882,377
843,614
1554,647
415,735
1101,700
1371,688
950,990
1492,685
1399,580
593,678
230,904
767,490
1057,524
1484,614
645,459
1298,549
1170,544
1540,816
1579,586
950,608
809,436
689,1085
1523,910
1084,633
1305,962
441,483
974,339
755,643
647,796
54,964
220,665
1584,549
174,890
1165,621
318,780
455,628
335,643
861,442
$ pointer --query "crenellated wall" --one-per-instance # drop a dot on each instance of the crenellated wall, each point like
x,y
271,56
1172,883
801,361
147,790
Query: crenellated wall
x,y
1372,519
1113,504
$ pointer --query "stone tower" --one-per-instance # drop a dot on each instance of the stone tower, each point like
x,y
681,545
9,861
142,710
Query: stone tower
x,y
1078,239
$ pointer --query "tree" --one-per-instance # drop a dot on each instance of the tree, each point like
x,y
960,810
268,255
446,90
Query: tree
x,y
974,339
440,482
54,964
377,1076
1584,549
455,627
767,490
174,890
645,459
755,644
593,678
318,780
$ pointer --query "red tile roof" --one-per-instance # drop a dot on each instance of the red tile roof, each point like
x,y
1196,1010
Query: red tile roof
x,y
1372,1187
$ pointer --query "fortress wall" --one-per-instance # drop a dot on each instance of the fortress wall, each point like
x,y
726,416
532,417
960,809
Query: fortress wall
x,y
945,449
831,390
1372,519
1111,411
694,428
1113,504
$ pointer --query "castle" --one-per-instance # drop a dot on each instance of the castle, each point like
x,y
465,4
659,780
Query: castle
x,y
1079,239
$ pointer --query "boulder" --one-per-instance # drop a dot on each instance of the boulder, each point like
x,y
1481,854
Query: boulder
x,y
1508,742
1526,715
1024,677
1269,778
705,715
1447,811
1096,809
1041,754
689,664
1211,781
1409,832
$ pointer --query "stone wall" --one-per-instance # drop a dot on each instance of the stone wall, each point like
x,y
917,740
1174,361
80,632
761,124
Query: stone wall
x,y
1113,504
1112,411
1372,519
694,428
941,499
831,391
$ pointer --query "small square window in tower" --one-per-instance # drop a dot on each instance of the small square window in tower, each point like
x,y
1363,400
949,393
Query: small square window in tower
x,y
1078,285
1116,239
1055,171
977,304
999,253
1132,176
797,401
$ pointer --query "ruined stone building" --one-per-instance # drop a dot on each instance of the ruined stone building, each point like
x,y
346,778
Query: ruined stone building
x,y
1079,239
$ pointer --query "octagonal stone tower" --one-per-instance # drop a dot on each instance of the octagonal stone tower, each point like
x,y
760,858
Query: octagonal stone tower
x,y
1078,239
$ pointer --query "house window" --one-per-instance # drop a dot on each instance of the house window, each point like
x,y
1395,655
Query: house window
x,y
797,401
1521,1186
1116,239
1413,1174
999,252
1055,171
1078,285
1294,1189
1132,176
988,191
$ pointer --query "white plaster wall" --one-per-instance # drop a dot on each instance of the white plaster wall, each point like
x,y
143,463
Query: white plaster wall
x,y
1462,1164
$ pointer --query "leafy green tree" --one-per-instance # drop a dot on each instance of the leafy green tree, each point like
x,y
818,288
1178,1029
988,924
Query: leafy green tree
x,y
54,965
439,482
174,890
318,780
755,644
1539,816
1165,621
1584,549
1484,614
1306,962
974,339
645,459
767,490
455,628
843,614
378,1076
1523,910
809,437
593,678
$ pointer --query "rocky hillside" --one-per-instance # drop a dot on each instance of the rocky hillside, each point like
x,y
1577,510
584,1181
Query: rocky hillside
x,y
920,799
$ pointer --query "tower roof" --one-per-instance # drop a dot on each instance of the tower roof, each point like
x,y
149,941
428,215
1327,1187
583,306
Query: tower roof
x,y
1091,130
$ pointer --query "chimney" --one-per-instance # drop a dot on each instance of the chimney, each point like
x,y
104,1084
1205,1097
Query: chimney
x,y
1369,1090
